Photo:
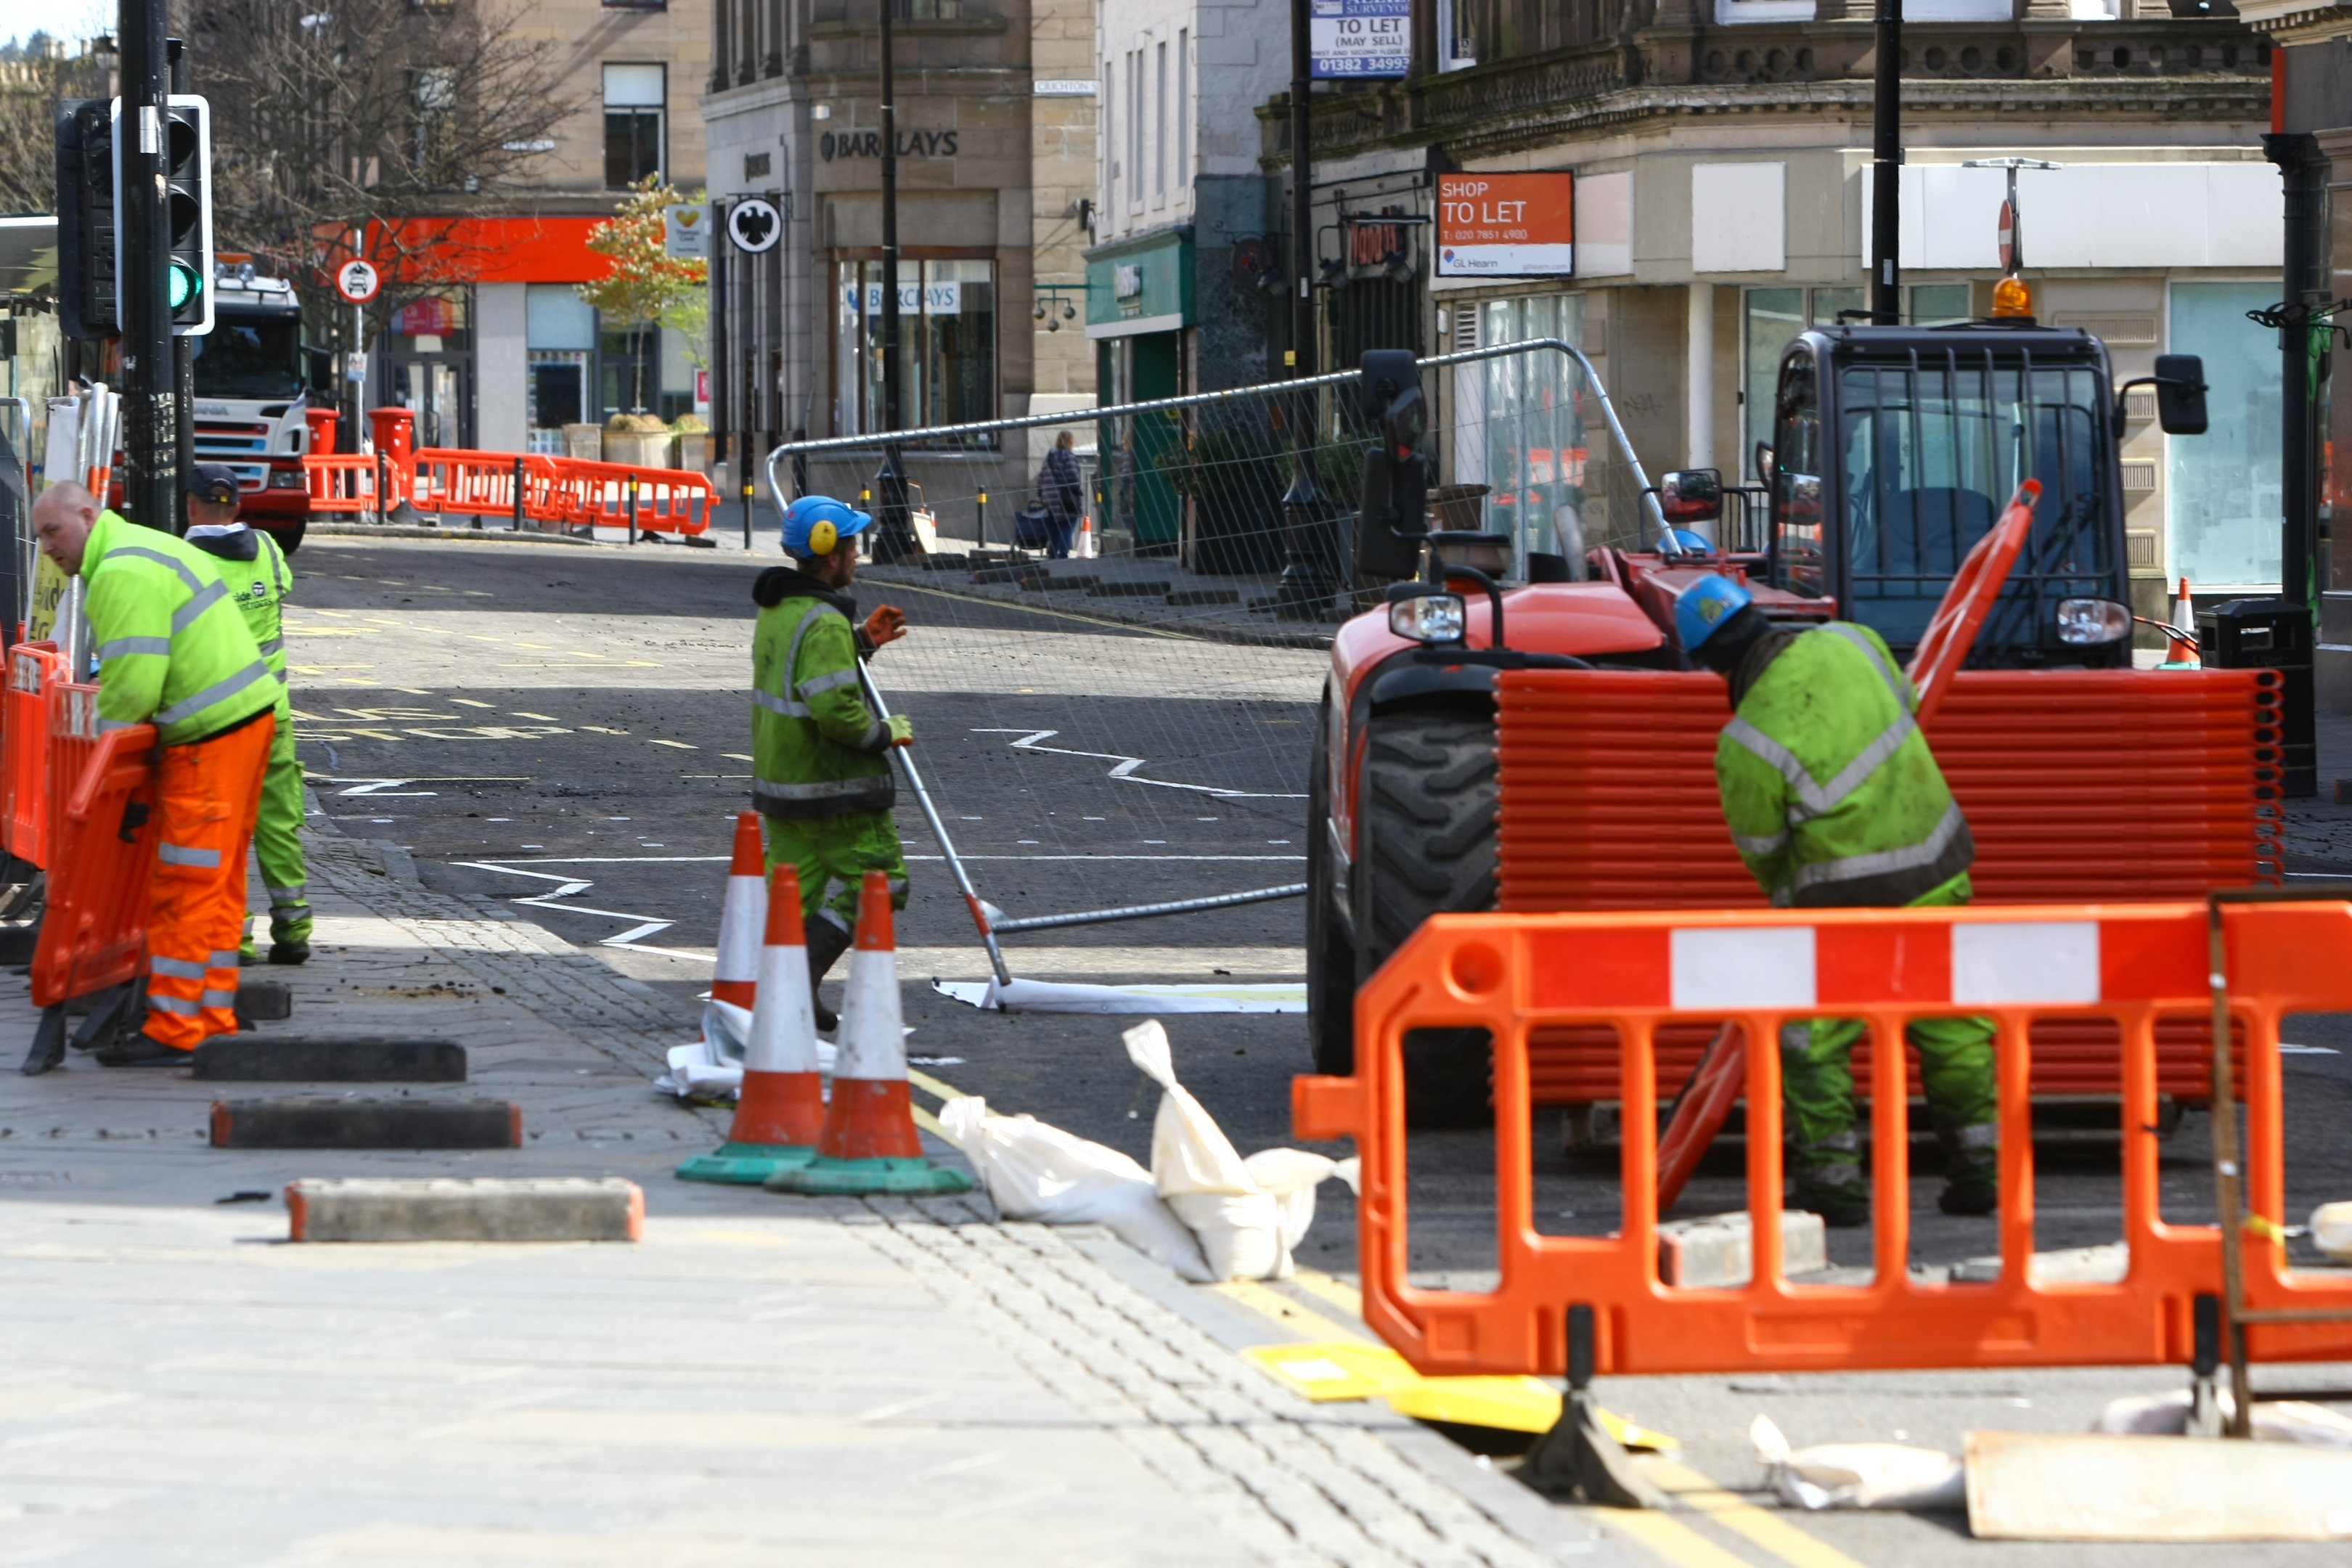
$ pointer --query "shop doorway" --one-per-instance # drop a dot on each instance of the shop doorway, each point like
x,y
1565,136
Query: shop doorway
x,y
436,392
1156,369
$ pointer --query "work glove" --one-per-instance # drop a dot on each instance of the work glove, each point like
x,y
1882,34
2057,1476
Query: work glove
x,y
902,730
887,623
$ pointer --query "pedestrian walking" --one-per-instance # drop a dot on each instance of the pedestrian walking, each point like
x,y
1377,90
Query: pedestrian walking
x,y
1835,801
1062,488
174,652
821,759
259,578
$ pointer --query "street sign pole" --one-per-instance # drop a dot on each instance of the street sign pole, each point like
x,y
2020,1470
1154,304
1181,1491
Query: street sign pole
x,y
150,412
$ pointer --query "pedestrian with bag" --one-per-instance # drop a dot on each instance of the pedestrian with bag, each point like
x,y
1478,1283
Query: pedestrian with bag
x,y
1061,487
821,769
174,651
255,569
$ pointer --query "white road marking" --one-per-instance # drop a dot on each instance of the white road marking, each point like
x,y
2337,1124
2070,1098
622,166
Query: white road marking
x,y
1127,766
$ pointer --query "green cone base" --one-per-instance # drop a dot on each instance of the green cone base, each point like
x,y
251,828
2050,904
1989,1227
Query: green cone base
x,y
860,1178
745,1164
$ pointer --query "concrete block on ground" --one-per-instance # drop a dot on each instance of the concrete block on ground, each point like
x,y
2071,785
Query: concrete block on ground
x,y
566,1208
305,1059
263,1001
366,1124
2068,1486
2104,1264
1718,1250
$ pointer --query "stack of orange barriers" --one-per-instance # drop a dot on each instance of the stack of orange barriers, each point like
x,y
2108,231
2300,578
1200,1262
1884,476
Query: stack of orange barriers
x,y
2079,785
2123,968
36,671
104,830
525,487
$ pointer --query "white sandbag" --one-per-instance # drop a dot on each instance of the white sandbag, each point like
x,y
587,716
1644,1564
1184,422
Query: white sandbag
x,y
1290,1176
2275,1420
2331,1229
1036,1171
1858,1474
1203,1178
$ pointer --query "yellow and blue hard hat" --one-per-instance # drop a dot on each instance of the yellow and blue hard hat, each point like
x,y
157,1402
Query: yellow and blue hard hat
x,y
1702,608
815,525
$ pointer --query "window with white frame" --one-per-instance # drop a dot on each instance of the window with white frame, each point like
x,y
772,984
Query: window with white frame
x,y
1160,123
635,98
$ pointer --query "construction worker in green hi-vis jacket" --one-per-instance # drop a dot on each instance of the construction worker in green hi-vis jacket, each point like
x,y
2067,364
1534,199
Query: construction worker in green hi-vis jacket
x,y
1835,801
821,758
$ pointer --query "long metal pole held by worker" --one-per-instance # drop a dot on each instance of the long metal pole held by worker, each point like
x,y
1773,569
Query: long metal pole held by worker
x,y
1886,172
150,421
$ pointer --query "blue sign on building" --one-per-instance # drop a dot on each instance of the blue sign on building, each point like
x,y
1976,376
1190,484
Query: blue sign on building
x,y
1357,38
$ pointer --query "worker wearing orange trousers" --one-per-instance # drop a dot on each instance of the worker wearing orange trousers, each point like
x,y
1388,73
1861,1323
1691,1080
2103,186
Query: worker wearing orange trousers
x,y
173,650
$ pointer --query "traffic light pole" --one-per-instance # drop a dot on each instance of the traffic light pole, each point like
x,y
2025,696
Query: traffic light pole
x,y
151,479
184,350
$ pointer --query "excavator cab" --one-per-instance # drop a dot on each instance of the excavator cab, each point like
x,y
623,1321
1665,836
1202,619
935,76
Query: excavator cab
x,y
1894,449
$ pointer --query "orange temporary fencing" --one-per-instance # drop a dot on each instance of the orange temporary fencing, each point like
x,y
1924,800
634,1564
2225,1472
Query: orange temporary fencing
x,y
94,931
456,482
349,482
663,501
518,486
2127,967
35,668
2078,786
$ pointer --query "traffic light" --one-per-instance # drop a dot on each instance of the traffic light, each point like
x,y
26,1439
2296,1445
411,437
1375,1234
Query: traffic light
x,y
1395,515
86,292
185,143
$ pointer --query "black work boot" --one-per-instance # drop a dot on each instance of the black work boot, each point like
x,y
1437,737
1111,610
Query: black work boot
x,y
1842,1205
290,952
826,943
141,1051
1971,1170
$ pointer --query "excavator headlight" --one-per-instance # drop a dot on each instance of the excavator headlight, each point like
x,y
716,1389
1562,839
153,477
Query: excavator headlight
x,y
1430,618
2088,622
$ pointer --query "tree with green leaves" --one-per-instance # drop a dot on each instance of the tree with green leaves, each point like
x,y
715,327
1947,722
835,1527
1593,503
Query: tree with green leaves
x,y
647,285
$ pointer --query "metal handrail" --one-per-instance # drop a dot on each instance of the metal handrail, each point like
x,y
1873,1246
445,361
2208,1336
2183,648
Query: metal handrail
x,y
873,440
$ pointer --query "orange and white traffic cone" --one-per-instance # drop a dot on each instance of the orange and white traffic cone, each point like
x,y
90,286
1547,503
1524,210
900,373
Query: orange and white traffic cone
x,y
869,1144
2184,620
781,1113
743,917
1084,547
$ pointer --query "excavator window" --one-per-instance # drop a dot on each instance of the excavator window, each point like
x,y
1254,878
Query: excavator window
x,y
1796,542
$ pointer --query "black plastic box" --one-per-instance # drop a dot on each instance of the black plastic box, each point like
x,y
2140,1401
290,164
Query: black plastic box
x,y
2270,634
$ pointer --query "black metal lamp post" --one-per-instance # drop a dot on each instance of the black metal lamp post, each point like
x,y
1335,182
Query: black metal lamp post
x,y
1887,171
894,534
151,479
1309,578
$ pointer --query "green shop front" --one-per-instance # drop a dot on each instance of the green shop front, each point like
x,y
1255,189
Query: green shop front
x,y
1140,315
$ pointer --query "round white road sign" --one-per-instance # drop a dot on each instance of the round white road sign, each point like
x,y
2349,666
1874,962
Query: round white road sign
x,y
754,226
358,281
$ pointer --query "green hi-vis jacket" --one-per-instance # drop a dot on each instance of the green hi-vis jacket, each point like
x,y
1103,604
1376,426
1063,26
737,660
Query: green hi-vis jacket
x,y
816,748
173,650
255,569
1831,791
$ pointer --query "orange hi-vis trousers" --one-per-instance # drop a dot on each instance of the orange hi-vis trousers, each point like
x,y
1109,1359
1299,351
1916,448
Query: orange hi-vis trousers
x,y
208,796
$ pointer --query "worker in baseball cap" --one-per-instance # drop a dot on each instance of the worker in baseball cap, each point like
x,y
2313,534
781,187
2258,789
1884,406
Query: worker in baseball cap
x,y
259,578
821,759
1835,801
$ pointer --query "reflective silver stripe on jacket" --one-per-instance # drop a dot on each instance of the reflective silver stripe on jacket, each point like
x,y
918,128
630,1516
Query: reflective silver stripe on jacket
x,y
208,595
183,855
1896,681
876,739
219,998
1816,799
187,573
834,797
776,703
228,959
276,563
274,645
159,1003
817,685
218,691
1884,862
293,895
105,725
121,645
1750,845
828,789
177,968
783,705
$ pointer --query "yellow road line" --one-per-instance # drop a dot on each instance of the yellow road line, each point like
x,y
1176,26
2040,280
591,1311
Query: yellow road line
x,y
1290,1315
1762,1526
932,1086
1339,1292
1671,1539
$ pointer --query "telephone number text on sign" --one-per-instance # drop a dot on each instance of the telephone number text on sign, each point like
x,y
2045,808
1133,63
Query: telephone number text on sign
x,y
1360,38
1506,225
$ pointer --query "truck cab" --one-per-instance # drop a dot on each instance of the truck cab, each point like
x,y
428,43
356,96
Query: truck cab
x,y
250,402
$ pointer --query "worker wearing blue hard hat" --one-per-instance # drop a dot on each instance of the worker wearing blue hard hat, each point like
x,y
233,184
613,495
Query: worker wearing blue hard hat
x,y
1835,801
821,758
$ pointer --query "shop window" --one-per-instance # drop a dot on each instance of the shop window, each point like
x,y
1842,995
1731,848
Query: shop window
x,y
558,392
947,336
629,370
2221,500
635,98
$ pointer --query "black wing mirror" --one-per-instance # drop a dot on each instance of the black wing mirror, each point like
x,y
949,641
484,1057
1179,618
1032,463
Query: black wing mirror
x,y
2179,383
1691,495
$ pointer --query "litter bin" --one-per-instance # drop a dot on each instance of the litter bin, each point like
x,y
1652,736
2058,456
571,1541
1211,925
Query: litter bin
x,y
2270,634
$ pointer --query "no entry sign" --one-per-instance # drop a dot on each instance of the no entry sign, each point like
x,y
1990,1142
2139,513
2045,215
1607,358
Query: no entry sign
x,y
358,281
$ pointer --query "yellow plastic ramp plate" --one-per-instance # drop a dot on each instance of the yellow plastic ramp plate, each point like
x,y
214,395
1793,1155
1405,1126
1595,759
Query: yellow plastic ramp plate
x,y
1334,1369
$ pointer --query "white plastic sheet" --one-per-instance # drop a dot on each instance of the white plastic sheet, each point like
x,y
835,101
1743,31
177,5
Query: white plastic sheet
x,y
1053,996
1858,1474
1036,1172
712,1066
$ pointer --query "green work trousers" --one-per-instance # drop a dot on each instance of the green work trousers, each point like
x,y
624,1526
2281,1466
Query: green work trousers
x,y
1956,1060
277,842
831,855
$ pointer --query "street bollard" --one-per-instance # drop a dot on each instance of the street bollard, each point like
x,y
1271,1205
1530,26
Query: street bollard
x,y
747,513
981,527
632,508
516,526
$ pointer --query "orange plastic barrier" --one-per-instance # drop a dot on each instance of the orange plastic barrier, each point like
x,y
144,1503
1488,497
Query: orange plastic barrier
x,y
668,500
33,669
348,482
1635,973
1952,632
456,482
94,934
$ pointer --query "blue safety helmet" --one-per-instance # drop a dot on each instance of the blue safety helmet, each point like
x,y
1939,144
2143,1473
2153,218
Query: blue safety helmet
x,y
815,525
1705,605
